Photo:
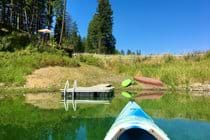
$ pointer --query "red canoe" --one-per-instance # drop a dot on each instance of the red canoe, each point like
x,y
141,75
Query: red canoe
x,y
149,81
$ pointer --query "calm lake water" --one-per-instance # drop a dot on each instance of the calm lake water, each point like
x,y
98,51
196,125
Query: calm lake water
x,y
21,121
95,129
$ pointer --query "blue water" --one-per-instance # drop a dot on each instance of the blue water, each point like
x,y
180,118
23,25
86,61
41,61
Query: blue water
x,y
96,128
180,129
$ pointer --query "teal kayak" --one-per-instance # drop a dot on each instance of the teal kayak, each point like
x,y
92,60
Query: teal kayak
x,y
134,124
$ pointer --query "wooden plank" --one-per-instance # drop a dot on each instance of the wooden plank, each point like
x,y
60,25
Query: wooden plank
x,y
97,88
88,101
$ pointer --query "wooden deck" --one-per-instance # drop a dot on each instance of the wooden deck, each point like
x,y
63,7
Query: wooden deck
x,y
98,94
101,88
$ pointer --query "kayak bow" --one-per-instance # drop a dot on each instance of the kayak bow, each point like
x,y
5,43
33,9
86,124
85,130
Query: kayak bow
x,y
134,124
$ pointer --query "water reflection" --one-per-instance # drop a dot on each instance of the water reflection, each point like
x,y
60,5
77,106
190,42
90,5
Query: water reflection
x,y
81,133
72,129
96,128
179,129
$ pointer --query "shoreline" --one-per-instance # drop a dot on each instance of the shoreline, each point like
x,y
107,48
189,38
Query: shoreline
x,y
205,88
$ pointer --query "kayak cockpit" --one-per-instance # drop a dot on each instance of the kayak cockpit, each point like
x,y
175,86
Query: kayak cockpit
x,y
134,124
136,134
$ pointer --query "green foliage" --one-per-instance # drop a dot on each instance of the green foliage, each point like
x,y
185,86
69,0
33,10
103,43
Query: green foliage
x,y
27,15
84,44
92,38
100,38
74,39
15,66
122,52
129,52
57,30
14,41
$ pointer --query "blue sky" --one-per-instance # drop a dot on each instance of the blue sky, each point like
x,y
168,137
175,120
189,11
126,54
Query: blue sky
x,y
152,26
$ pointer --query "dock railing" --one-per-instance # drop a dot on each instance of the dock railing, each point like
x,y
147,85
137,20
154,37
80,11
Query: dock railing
x,y
72,95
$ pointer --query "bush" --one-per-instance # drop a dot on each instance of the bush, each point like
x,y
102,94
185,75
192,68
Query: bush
x,y
14,41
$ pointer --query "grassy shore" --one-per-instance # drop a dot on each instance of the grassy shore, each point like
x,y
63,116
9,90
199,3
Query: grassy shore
x,y
15,66
172,70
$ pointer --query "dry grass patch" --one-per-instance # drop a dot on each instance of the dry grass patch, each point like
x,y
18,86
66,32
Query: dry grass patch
x,y
85,75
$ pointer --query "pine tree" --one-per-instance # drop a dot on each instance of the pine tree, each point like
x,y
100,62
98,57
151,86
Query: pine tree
x,y
122,52
138,52
84,44
75,39
100,38
129,52
27,15
92,38
69,23
57,30
58,10
63,22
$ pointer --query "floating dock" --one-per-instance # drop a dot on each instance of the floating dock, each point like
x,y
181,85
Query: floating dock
x,y
98,94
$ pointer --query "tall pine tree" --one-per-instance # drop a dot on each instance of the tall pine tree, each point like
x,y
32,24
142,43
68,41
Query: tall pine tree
x,y
100,38
26,15
75,39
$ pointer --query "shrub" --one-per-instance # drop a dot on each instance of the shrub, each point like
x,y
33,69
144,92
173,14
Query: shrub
x,y
14,41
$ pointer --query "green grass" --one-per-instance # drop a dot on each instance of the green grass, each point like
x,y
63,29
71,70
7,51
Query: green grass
x,y
173,71
15,66
90,60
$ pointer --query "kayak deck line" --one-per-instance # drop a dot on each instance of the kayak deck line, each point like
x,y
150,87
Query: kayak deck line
x,y
136,110
133,121
98,94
